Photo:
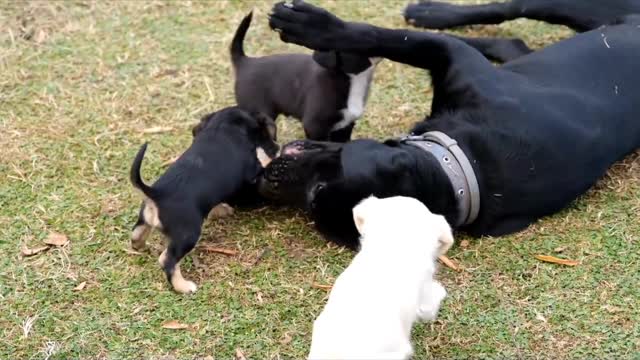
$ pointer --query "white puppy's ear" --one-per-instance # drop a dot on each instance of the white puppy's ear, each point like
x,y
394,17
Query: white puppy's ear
x,y
445,237
361,212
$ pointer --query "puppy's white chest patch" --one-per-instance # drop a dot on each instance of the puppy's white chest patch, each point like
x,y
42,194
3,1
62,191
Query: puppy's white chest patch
x,y
358,92
262,156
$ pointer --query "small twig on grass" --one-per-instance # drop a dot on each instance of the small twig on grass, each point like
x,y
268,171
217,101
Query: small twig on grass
x,y
448,263
218,250
555,260
321,286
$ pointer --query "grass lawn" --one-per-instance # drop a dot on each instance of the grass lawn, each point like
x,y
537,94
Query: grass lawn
x,y
80,82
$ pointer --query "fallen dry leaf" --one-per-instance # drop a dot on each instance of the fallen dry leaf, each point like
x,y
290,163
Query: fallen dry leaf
x,y
240,355
321,286
286,339
41,36
218,250
56,239
170,161
80,286
25,251
448,262
464,243
157,129
555,260
560,249
174,325
540,317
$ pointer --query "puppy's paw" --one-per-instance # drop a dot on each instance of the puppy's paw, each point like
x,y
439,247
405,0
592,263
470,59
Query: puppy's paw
x,y
138,237
222,210
185,286
432,296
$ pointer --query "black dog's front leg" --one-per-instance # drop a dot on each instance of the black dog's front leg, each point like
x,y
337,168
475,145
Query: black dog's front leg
x,y
496,49
452,63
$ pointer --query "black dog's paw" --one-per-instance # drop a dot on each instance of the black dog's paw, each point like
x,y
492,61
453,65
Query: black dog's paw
x,y
432,15
307,25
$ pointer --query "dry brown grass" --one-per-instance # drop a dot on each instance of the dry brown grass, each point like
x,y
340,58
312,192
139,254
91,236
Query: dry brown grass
x,y
82,80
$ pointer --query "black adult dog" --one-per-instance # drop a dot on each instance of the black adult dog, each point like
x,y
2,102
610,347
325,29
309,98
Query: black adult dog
x,y
537,132
580,15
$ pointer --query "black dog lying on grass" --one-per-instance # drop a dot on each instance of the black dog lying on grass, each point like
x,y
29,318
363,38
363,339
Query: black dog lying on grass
x,y
532,135
229,150
580,15
327,91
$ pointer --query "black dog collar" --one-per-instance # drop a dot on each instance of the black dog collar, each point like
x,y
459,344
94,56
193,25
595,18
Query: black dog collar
x,y
457,167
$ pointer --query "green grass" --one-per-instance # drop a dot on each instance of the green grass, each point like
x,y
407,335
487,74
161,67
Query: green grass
x,y
80,81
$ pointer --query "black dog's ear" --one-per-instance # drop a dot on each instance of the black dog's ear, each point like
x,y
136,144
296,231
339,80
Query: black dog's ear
x,y
326,59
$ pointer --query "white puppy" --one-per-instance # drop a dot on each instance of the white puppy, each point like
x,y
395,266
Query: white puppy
x,y
387,286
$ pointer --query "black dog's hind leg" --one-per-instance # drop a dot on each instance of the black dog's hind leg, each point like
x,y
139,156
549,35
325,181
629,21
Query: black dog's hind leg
x,y
180,244
440,15
496,49
579,15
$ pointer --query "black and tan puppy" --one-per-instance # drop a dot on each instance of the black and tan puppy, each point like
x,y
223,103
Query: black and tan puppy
x,y
327,91
229,150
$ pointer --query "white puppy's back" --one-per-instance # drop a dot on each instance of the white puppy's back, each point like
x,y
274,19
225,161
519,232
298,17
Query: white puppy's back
x,y
375,301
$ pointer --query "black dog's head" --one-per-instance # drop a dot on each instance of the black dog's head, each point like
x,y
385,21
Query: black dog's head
x,y
259,128
345,62
328,179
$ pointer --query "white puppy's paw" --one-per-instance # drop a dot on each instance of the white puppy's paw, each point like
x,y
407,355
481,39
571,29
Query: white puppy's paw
x,y
432,295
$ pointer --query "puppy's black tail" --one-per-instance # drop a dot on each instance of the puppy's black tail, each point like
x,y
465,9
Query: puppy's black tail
x,y
237,50
135,177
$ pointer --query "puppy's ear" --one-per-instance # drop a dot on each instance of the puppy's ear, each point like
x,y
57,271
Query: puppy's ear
x,y
445,237
267,123
202,124
326,59
362,212
196,129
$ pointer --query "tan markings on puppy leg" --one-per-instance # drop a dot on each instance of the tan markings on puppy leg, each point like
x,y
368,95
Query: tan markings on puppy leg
x,y
222,210
180,284
138,236
150,214
162,258
263,157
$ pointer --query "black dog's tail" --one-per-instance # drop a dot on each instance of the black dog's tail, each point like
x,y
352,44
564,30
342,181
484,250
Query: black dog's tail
x,y
135,177
237,50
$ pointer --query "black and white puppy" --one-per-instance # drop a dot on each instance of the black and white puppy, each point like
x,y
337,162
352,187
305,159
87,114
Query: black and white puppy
x,y
327,91
229,150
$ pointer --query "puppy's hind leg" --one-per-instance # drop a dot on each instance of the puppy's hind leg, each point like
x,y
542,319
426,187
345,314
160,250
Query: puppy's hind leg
x,y
139,233
171,257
